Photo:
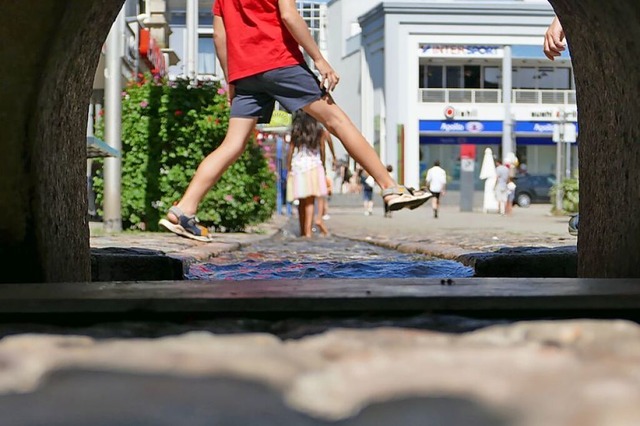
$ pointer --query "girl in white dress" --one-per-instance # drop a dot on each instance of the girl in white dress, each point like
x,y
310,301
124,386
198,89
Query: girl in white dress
x,y
306,180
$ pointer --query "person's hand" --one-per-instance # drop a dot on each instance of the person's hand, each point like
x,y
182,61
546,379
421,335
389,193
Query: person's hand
x,y
554,43
231,92
329,77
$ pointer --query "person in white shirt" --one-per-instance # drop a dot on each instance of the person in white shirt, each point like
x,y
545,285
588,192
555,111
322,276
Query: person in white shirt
x,y
436,182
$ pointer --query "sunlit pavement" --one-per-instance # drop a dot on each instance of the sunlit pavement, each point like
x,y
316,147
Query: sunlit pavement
x,y
452,234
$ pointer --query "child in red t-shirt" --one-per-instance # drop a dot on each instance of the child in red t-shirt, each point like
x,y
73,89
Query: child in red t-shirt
x,y
258,45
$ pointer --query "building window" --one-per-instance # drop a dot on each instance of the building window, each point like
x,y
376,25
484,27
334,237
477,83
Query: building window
x,y
454,77
206,55
543,78
459,77
435,79
310,12
472,77
492,78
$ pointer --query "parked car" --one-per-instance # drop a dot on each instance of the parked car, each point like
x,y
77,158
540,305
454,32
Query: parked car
x,y
533,189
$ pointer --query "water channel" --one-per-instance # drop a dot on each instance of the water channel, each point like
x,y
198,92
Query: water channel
x,y
286,256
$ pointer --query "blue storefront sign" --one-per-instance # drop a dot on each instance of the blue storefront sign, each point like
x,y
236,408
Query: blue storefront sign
x,y
449,132
535,132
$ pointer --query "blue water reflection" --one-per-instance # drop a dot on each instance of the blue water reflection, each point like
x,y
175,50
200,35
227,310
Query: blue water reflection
x,y
285,269
286,256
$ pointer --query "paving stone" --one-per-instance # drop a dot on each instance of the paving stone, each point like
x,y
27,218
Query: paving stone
x,y
529,373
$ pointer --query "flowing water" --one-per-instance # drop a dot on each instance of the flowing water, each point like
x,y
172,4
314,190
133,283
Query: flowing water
x,y
287,256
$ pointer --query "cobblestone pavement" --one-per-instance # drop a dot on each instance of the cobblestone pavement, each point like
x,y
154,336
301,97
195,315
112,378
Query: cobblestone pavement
x,y
454,233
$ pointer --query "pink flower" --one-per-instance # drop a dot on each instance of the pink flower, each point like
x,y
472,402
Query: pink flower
x,y
228,198
266,148
221,91
144,104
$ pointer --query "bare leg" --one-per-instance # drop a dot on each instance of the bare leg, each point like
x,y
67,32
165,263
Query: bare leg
x,y
336,121
324,202
215,164
319,221
301,214
309,205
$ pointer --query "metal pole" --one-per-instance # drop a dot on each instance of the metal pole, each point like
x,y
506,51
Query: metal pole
x,y
567,172
559,145
192,40
113,125
507,86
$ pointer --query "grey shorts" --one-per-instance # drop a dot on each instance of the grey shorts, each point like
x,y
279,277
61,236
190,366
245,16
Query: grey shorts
x,y
293,87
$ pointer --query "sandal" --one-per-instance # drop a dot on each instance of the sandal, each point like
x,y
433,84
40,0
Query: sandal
x,y
187,226
406,197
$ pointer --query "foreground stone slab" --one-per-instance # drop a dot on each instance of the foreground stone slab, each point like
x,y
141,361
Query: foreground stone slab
x,y
525,374
487,295
557,262
131,264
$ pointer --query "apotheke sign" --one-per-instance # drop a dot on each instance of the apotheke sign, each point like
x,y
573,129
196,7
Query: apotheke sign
x,y
554,114
460,127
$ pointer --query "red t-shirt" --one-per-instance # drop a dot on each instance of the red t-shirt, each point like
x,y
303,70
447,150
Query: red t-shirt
x,y
257,40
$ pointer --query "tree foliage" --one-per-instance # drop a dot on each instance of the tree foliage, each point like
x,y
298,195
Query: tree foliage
x,y
168,127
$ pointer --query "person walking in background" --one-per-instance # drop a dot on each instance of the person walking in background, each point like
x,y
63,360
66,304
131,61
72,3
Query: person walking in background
x,y
501,188
323,202
260,45
436,183
367,183
511,194
345,174
307,180
324,209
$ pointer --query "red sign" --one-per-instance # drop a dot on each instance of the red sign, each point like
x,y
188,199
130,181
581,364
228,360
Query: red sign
x,y
468,151
449,112
151,54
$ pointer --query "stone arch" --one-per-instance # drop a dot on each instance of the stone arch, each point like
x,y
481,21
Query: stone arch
x,y
604,39
50,50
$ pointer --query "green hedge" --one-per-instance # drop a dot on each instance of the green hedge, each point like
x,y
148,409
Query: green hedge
x,y
167,129
570,196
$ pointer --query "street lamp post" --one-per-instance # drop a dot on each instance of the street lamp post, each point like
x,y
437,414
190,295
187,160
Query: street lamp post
x,y
192,40
113,125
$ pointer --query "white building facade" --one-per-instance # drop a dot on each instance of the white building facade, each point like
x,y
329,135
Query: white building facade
x,y
424,81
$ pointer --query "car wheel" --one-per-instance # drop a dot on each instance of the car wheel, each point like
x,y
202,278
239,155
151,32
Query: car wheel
x,y
524,200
